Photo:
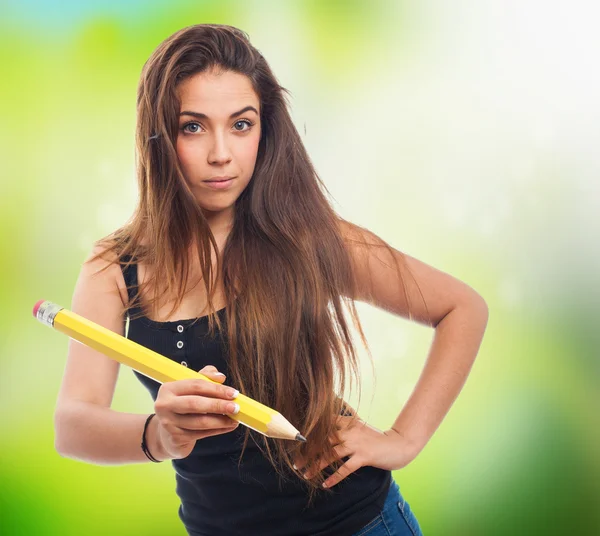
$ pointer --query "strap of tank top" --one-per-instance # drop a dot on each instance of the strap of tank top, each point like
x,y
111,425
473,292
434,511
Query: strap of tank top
x,y
130,276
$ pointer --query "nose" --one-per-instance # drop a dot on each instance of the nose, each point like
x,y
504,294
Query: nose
x,y
219,152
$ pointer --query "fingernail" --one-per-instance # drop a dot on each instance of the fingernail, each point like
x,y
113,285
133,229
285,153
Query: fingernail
x,y
324,484
234,408
295,467
219,374
233,393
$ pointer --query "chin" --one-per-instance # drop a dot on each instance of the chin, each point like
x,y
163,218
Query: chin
x,y
215,208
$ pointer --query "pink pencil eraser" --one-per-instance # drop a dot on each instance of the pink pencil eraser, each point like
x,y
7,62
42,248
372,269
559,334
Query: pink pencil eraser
x,y
36,307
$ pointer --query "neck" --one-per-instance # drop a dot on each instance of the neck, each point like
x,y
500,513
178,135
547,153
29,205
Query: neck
x,y
220,222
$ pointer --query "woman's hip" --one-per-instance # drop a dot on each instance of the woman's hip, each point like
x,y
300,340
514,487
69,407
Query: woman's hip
x,y
396,518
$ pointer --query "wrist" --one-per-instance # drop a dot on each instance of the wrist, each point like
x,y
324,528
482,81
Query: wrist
x,y
153,442
409,443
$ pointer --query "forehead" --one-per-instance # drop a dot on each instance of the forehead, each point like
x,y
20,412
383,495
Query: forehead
x,y
219,93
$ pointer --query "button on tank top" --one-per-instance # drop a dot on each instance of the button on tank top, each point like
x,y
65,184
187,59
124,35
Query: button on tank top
x,y
223,495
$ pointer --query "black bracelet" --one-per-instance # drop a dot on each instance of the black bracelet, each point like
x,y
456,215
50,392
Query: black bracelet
x,y
144,446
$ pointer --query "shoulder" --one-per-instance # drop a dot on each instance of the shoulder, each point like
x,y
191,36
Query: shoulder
x,y
359,242
357,237
103,263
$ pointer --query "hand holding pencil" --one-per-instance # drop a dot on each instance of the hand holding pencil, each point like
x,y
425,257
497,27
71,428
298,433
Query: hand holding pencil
x,y
188,410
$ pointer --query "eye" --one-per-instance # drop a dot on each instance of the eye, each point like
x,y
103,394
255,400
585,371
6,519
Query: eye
x,y
243,122
190,124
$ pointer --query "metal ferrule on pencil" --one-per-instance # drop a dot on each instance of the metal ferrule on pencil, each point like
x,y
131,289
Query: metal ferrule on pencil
x,y
47,312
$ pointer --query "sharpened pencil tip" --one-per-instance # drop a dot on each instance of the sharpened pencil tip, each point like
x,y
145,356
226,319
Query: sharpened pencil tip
x,y
300,438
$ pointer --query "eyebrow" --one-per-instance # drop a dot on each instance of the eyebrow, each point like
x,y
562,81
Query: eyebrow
x,y
234,114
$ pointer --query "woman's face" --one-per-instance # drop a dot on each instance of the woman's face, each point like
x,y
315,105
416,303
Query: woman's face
x,y
219,132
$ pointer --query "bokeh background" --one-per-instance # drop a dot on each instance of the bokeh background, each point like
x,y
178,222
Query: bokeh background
x,y
464,133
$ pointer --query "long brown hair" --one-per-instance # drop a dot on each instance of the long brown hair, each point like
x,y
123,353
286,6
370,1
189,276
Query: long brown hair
x,y
286,269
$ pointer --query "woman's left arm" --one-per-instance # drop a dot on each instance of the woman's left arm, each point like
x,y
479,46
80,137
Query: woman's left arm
x,y
457,339
459,316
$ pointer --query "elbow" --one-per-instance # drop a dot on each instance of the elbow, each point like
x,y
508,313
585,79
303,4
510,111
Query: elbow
x,y
475,307
480,309
60,443
60,447
60,450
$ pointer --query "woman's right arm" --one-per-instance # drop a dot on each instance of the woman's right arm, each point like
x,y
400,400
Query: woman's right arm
x,y
87,429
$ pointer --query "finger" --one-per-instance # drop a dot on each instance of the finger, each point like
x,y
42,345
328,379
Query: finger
x,y
347,421
193,423
199,387
300,463
187,404
216,431
340,452
336,439
348,468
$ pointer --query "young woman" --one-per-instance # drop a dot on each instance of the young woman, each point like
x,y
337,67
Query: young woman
x,y
235,264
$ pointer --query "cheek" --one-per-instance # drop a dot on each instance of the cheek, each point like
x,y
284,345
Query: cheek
x,y
184,153
249,152
248,155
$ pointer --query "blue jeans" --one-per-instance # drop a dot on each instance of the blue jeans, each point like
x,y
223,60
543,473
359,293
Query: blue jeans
x,y
396,518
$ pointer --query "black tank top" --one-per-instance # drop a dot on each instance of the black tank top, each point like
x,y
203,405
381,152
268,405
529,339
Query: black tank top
x,y
218,496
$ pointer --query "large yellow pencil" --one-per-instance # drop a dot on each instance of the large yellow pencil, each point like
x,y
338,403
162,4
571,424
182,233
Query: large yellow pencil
x,y
252,414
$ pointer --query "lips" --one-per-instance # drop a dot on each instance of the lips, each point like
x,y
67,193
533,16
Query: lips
x,y
219,183
219,179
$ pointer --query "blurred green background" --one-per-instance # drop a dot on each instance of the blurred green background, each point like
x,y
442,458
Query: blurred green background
x,y
464,133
